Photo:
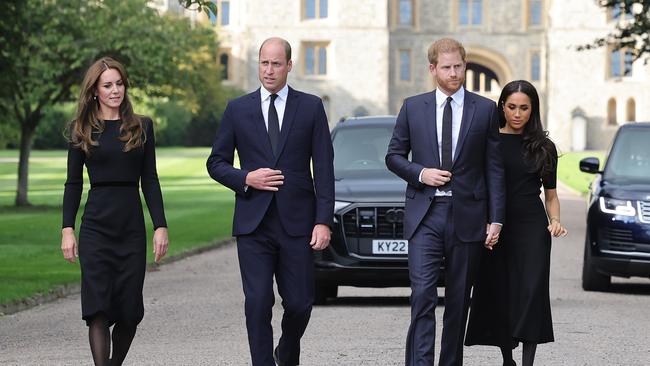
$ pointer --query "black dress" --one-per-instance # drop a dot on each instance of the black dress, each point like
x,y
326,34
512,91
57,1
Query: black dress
x,y
112,238
510,300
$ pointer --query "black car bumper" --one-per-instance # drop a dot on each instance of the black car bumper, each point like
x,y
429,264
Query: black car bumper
x,y
621,266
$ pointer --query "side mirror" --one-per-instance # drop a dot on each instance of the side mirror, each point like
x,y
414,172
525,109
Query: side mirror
x,y
590,165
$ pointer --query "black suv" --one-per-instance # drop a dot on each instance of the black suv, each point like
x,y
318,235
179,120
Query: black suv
x,y
368,247
617,241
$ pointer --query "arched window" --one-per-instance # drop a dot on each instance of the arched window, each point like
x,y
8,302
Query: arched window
x,y
223,61
630,112
481,79
611,112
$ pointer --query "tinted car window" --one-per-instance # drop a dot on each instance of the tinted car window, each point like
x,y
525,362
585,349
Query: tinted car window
x,y
360,148
630,156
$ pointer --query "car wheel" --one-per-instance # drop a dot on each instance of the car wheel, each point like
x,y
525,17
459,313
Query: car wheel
x,y
324,292
592,280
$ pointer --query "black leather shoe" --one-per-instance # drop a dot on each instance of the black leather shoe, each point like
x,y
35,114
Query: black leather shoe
x,y
276,357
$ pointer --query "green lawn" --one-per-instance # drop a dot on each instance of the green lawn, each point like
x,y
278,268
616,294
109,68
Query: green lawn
x,y
199,211
568,171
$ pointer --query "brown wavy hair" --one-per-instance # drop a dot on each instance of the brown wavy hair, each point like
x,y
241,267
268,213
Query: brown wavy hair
x,y
87,120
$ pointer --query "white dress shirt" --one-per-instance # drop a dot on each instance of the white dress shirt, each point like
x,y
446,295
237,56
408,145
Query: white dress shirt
x,y
280,104
458,99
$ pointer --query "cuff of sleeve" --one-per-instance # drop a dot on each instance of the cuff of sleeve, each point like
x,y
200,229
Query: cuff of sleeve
x,y
420,176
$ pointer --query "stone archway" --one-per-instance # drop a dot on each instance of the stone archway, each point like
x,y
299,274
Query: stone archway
x,y
487,71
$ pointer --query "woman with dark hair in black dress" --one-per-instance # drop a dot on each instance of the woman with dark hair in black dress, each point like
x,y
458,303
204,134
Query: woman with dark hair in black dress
x,y
510,301
117,148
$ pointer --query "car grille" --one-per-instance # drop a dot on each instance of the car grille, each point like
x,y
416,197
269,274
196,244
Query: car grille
x,y
618,239
644,211
375,222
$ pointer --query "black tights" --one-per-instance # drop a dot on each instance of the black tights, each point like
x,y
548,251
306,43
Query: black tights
x,y
527,357
99,336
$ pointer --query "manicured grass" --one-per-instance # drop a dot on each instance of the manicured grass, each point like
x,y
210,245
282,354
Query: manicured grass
x,y
199,211
568,171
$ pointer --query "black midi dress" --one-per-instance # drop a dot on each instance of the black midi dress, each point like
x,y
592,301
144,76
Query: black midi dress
x,y
112,237
510,301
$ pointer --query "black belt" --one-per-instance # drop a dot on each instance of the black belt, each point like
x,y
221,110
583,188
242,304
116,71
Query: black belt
x,y
113,184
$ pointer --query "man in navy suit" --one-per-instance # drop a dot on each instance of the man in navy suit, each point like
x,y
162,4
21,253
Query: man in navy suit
x,y
281,212
455,198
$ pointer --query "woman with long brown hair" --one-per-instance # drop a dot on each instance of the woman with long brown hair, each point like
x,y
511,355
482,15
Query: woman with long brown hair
x,y
510,301
117,148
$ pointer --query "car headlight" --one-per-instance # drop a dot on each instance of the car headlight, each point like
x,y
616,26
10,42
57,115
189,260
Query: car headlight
x,y
339,205
617,207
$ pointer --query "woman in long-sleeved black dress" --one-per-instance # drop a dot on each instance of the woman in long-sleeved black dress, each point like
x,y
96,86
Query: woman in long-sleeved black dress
x,y
117,148
510,302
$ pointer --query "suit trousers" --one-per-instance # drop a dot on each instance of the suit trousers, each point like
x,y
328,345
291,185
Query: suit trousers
x,y
269,251
433,241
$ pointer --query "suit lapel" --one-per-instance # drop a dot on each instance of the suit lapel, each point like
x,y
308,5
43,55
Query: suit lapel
x,y
287,120
257,118
429,119
465,124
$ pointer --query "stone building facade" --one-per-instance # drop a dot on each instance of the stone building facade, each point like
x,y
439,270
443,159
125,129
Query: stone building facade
x,y
365,56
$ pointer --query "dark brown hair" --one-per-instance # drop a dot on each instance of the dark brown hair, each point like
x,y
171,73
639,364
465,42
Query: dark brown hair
x,y
539,150
87,118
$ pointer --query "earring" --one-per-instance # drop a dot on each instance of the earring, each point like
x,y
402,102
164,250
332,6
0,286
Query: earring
x,y
94,97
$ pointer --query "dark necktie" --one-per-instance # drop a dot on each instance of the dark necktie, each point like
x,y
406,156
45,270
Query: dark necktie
x,y
446,140
274,125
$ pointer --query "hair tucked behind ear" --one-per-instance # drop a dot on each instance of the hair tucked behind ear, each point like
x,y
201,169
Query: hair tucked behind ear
x,y
87,121
539,150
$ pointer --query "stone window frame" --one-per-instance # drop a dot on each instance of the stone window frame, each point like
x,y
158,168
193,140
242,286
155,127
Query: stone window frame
x,y
531,54
228,70
527,16
456,14
611,119
217,20
395,21
398,63
317,45
317,10
625,54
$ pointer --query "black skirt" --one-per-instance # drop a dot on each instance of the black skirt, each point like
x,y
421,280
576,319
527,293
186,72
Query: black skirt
x,y
112,254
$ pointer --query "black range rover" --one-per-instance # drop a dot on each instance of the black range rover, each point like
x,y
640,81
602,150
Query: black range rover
x,y
367,247
617,241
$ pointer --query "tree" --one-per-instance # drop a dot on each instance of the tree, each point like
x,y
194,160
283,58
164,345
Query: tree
x,y
46,46
631,29
208,6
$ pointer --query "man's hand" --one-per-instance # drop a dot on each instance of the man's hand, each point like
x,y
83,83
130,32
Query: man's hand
x,y
492,231
265,179
320,237
435,177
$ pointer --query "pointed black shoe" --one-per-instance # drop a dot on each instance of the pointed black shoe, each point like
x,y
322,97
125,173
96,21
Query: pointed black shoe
x,y
276,357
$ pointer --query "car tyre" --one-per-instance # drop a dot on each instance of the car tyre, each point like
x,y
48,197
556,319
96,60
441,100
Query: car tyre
x,y
324,292
592,280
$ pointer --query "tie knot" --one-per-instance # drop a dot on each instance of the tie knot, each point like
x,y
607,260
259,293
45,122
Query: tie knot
x,y
449,100
273,97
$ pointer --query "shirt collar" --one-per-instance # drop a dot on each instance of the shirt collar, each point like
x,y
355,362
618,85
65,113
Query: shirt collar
x,y
458,97
282,94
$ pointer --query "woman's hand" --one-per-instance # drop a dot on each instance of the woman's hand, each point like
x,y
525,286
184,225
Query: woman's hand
x,y
69,244
555,227
160,243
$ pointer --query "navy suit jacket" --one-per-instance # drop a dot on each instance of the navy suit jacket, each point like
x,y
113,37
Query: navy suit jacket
x,y
477,183
302,201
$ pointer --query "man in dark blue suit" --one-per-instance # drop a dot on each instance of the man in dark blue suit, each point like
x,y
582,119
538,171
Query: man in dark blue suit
x,y
281,212
455,198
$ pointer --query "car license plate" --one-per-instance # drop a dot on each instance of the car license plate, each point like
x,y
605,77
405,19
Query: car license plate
x,y
390,246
